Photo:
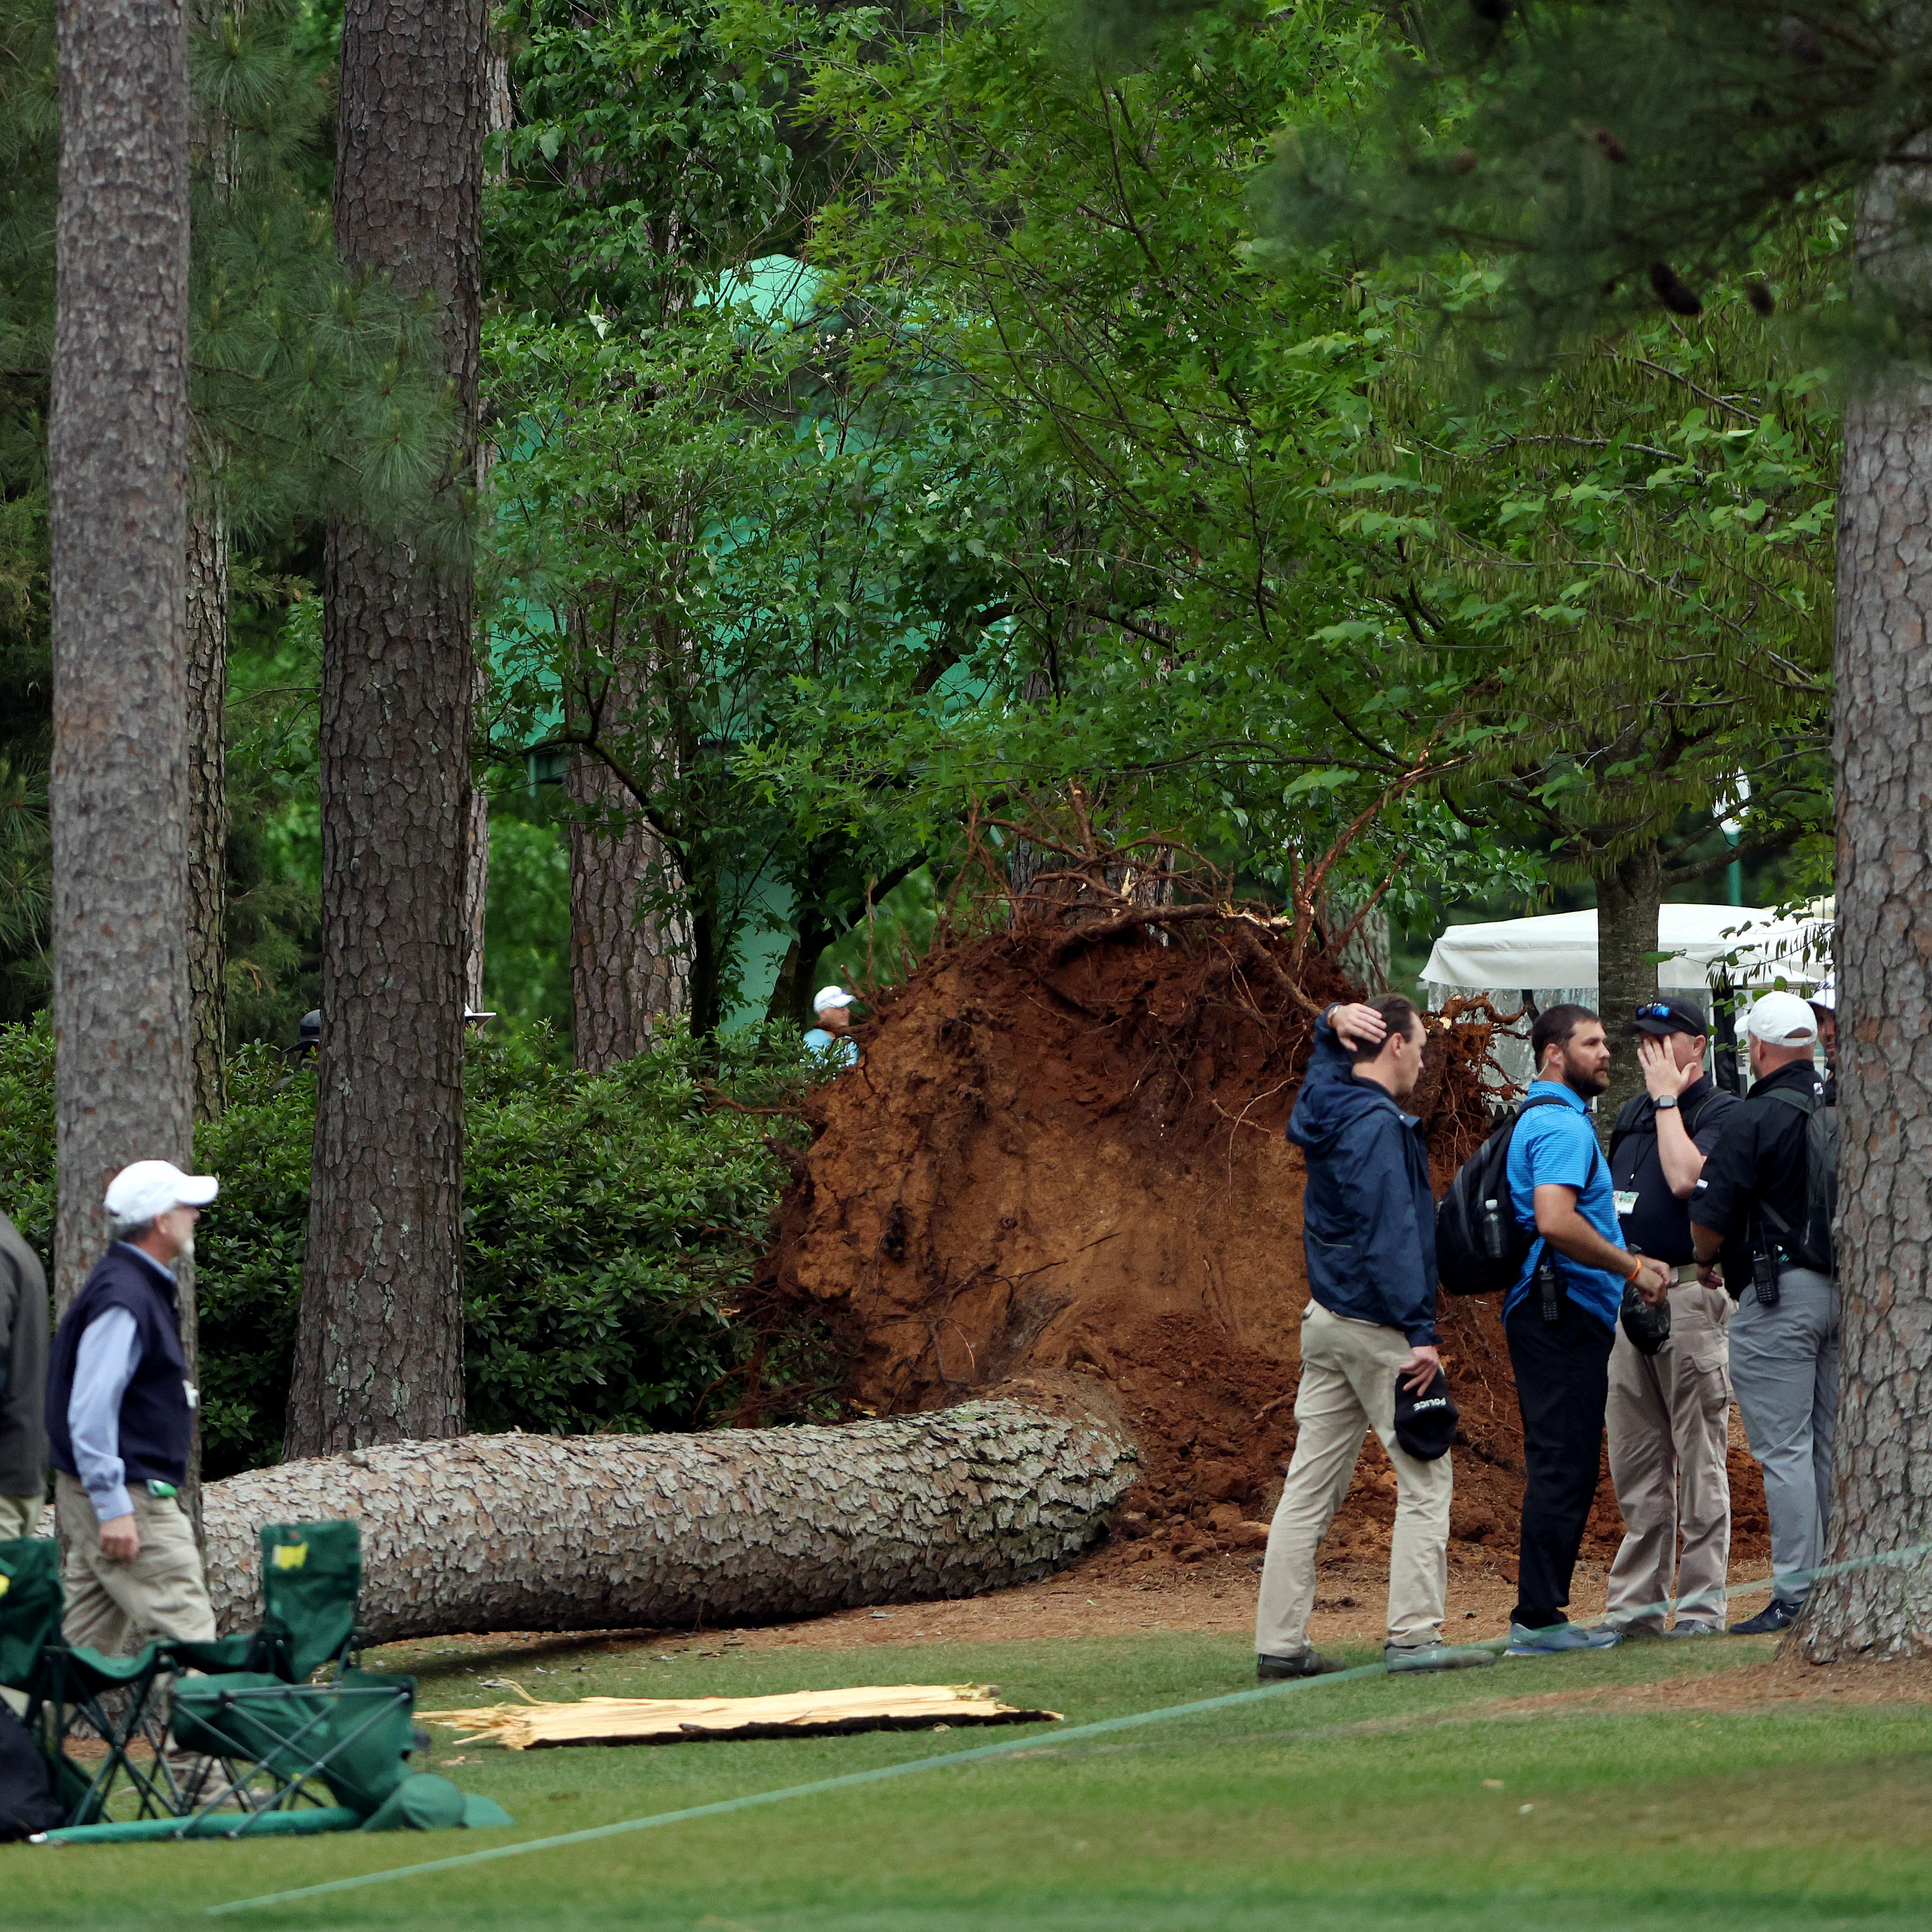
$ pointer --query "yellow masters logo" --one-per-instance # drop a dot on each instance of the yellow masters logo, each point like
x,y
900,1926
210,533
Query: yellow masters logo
x,y
291,1555
6,1582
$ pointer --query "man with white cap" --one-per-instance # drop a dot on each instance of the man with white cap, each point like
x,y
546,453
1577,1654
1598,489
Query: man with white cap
x,y
833,1006
1761,1216
120,1422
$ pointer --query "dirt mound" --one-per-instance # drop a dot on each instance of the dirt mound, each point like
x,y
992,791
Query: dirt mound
x,y
1062,1156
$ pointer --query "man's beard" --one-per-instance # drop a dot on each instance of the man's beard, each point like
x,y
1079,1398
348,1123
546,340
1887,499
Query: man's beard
x,y
185,1253
1588,1085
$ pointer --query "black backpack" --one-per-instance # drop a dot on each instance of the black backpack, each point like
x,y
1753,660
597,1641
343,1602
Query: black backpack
x,y
28,1803
1811,1244
1480,1244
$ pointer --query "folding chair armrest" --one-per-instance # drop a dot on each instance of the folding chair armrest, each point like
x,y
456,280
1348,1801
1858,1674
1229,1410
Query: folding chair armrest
x,y
223,1654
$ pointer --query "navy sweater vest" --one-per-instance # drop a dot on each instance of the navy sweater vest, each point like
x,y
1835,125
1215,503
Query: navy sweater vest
x,y
156,1422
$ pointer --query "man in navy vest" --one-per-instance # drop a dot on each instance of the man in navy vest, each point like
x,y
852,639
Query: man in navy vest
x,y
120,1420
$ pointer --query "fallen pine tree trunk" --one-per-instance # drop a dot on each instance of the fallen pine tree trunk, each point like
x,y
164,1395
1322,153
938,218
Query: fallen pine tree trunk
x,y
612,1532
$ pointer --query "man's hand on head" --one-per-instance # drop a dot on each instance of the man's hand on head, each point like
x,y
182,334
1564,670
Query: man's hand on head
x,y
1421,1368
120,1540
1664,1079
1358,1026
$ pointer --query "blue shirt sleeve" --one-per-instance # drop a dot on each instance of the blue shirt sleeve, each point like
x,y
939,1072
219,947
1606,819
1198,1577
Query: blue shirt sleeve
x,y
110,1353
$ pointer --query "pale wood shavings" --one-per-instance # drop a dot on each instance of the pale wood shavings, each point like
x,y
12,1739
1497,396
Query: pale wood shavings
x,y
798,1714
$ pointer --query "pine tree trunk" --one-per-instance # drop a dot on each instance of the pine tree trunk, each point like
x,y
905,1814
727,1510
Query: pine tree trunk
x,y
615,1532
498,112
627,973
1365,959
208,797
1882,1475
117,457
379,1349
1627,899
476,891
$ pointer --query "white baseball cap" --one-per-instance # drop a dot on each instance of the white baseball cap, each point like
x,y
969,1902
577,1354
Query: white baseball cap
x,y
1825,999
830,996
151,1187
1782,1019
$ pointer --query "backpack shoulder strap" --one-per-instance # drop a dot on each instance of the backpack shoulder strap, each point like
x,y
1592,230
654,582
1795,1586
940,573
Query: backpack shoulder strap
x,y
1552,1100
1625,1124
1807,1104
1693,1121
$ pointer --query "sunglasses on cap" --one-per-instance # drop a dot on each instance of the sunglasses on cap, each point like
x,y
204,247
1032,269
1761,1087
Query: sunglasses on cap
x,y
1659,1011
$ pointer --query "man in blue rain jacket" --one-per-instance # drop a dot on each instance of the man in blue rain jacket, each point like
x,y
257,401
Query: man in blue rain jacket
x,y
1369,1229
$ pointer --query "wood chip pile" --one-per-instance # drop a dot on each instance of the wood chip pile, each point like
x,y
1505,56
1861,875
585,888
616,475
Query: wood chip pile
x,y
532,1725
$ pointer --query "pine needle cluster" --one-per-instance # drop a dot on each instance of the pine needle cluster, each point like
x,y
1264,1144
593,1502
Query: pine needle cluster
x,y
1613,156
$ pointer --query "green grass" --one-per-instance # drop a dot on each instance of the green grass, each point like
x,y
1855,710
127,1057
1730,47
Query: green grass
x,y
1346,1807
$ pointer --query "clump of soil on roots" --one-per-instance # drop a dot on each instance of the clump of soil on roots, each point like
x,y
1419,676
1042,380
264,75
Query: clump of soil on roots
x,y
1059,1170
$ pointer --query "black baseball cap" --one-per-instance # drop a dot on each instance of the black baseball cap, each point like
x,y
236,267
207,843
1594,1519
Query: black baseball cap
x,y
1668,1013
1425,1424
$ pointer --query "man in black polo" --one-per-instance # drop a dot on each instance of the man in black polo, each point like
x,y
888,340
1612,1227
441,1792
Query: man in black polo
x,y
1750,1209
1669,1413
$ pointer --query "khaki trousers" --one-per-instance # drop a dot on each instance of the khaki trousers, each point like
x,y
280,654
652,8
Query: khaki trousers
x,y
117,1607
1348,1387
1669,1419
20,1515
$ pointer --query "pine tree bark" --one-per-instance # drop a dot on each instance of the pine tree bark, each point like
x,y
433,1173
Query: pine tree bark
x,y
615,1532
117,455
627,972
379,1347
1882,1474
207,796
499,110
1628,897
476,891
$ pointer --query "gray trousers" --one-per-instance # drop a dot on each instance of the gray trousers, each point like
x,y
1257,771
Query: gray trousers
x,y
1784,1367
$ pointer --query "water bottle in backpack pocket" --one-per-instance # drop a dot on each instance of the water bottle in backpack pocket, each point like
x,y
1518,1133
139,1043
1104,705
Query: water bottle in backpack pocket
x,y
1479,1244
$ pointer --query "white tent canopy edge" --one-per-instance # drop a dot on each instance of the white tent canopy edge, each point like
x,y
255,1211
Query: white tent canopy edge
x,y
1749,945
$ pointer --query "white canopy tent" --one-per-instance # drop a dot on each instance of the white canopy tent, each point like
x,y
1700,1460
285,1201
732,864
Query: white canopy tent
x,y
1748,945
1554,958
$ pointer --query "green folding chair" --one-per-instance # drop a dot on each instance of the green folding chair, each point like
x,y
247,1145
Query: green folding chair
x,y
271,1751
100,1718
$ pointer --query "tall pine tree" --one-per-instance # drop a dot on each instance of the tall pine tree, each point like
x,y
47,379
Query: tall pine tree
x,y
118,476
379,1349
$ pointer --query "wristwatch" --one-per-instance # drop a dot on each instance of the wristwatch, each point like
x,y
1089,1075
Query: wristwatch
x,y
1669,1100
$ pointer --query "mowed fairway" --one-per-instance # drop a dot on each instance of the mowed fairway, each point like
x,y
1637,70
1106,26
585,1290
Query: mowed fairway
x,y
1352,1807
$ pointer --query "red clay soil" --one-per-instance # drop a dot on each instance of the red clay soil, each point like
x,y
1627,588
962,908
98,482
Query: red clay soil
x,y
1063,1157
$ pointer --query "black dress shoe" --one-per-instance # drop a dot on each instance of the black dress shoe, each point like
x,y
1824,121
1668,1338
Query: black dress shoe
x,y
1776,1615
1307,1663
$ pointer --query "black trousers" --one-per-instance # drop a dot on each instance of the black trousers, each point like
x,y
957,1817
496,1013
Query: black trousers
x,y
1562,1382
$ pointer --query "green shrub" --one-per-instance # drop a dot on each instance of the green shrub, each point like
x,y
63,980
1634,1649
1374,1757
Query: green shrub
x,y
610,1221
